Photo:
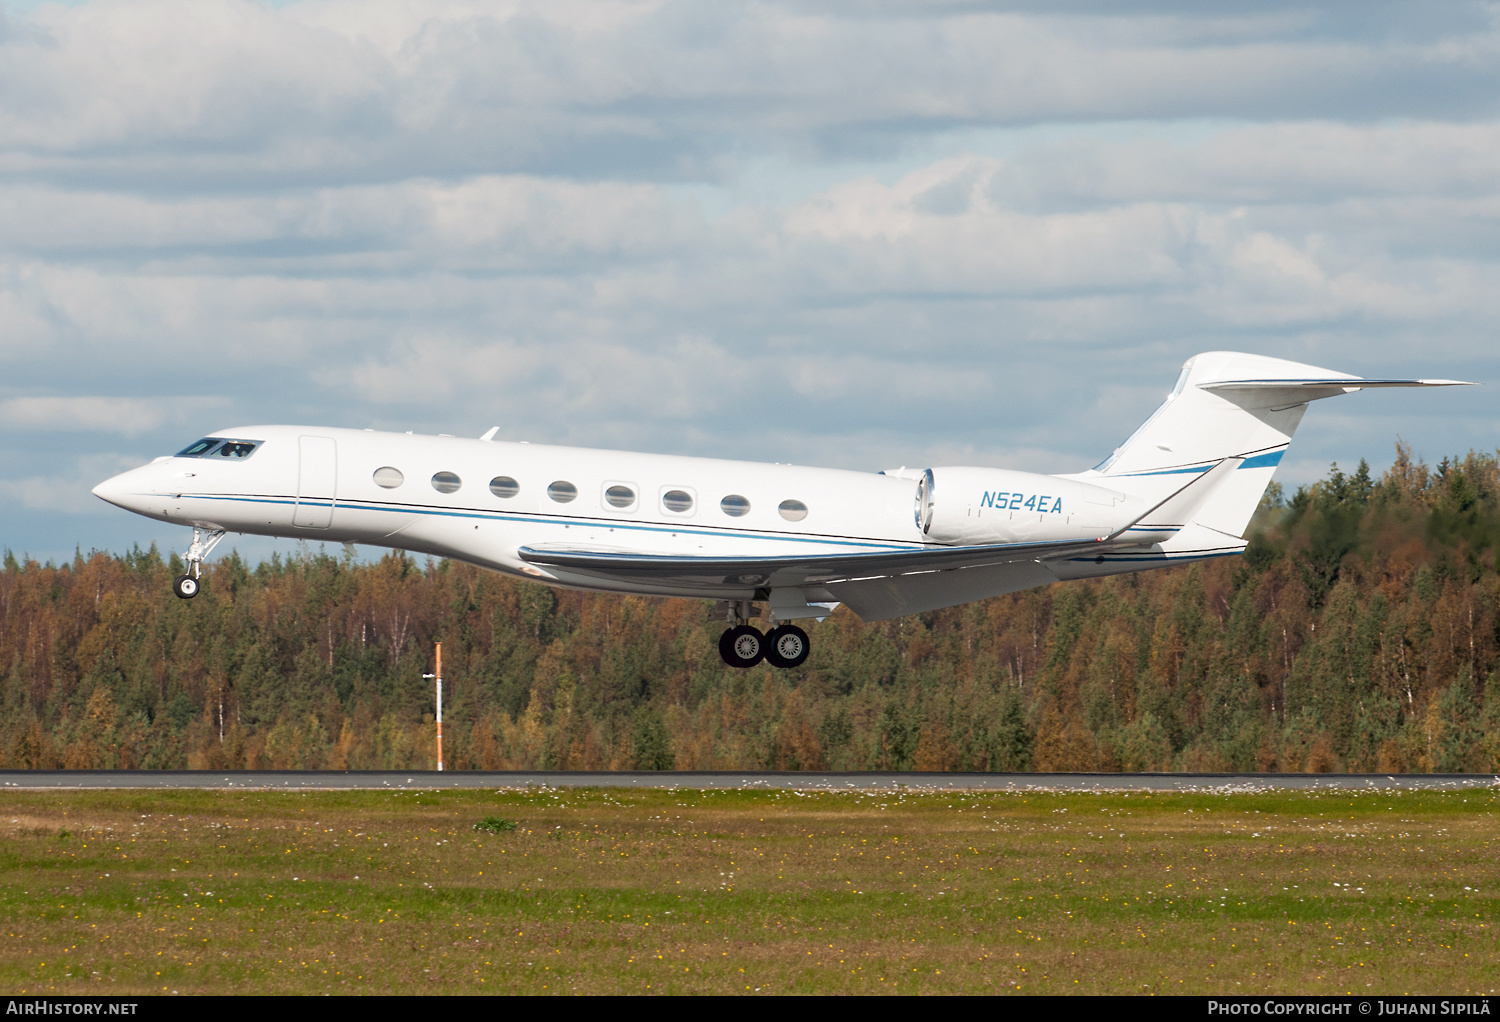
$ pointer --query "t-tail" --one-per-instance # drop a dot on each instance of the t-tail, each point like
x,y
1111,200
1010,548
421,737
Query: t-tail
x,y
1200,464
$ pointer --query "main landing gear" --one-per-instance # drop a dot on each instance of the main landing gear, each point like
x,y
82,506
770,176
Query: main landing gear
x,y
787,646
204,541
742,645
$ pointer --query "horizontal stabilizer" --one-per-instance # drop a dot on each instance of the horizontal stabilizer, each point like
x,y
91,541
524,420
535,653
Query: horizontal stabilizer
x,y
1343,384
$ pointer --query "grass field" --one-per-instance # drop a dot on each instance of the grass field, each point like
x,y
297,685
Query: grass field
x,y
641,891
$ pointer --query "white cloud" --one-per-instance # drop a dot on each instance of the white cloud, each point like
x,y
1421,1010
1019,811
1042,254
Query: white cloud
x,y
558,218
232,90
68,488
109,416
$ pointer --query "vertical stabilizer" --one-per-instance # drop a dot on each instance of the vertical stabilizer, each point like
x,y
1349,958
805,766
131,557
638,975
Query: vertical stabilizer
x,y
1226,405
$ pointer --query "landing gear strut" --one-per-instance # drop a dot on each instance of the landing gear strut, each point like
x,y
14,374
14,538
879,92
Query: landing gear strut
x,y
743,646
204,541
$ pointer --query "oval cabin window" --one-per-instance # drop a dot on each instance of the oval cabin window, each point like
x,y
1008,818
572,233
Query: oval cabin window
x,y
735,506
619,496
562,491
446,482
504,487
792,510
389,477
677,500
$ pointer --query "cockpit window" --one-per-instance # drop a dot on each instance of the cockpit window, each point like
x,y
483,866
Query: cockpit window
x,y
199,449
218,447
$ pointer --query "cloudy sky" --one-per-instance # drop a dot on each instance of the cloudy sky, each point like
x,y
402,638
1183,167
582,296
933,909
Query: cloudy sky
x,y
857,234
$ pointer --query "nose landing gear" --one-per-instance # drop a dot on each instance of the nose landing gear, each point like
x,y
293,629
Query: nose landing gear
x,y
204,541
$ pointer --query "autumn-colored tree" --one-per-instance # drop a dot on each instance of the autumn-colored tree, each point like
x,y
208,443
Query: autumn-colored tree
x,y
1358,632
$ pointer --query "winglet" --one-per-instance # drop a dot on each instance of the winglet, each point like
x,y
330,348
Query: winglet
x,y
489,434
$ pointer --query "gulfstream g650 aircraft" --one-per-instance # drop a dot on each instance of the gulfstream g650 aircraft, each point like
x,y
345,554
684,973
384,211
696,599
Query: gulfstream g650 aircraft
x,y
796,540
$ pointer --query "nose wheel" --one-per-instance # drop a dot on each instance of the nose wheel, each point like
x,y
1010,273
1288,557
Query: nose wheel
x,y
204,541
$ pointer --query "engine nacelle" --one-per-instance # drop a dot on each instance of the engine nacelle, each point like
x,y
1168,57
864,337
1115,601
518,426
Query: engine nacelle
x,y
977,506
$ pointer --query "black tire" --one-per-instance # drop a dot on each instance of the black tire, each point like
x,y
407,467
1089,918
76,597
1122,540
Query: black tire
x,y
742,646
787,646
186,587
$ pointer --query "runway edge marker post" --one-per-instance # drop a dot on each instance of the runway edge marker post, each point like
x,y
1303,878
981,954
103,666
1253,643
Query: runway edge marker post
x,y
438,677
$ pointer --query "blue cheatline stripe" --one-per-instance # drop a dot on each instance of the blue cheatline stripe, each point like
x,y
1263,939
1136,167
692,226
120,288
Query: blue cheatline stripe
x,y
1196,470
1268,459
492,516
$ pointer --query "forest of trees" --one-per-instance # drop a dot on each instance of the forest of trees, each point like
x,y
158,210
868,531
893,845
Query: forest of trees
x,y
1358,633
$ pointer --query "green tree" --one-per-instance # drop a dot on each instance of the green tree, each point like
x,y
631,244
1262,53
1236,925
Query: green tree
x,y
651,741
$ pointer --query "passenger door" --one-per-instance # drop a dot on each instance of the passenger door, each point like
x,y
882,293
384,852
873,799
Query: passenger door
x,y
317,475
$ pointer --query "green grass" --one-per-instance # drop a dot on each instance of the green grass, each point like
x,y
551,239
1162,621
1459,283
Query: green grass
x,y
602,891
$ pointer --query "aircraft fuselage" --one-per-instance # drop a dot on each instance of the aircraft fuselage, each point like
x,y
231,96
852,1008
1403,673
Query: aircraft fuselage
x,y
797,539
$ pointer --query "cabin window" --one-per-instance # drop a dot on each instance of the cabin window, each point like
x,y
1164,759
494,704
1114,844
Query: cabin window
x,y
389,477
562,491
620,496
504,487
677,501
446,482
792,510
735,506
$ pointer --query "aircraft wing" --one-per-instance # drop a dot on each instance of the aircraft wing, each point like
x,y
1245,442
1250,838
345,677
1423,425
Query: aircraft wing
x,y
713,574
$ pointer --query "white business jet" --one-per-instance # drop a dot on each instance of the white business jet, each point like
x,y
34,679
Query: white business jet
x,y
781,542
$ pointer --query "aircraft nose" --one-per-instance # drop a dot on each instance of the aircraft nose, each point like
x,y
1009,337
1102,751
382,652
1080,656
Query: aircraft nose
x,y
117,490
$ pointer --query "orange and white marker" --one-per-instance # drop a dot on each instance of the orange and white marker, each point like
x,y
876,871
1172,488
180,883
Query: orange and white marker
x,y
438,677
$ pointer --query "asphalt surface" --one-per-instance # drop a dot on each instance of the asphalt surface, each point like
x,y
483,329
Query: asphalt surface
x,y
335,780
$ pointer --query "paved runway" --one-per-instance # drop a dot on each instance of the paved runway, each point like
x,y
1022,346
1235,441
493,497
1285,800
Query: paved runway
x,y
335,780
